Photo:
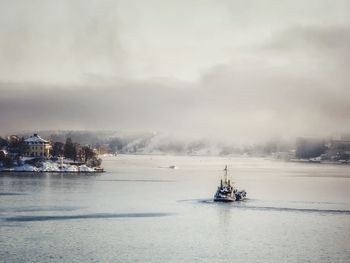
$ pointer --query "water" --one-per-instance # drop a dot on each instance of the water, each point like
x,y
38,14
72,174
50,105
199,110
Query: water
x,y
140,212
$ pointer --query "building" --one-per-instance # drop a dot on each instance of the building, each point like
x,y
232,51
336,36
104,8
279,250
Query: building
x,y
37,147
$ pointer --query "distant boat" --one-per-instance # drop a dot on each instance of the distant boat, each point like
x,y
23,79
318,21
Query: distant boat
x,y
226,191
170,166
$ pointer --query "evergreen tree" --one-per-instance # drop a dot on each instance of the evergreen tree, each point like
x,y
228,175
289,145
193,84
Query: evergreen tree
x,y
5,160
88,153
58,149
3,143
70,150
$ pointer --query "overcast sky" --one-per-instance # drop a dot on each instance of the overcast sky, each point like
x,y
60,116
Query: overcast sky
x,y
233,70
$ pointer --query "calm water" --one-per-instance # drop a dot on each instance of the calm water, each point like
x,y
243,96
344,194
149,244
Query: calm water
x,y
140,212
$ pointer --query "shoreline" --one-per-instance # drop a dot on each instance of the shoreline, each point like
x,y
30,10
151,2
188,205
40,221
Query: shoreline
x,y
51,167
57,172
317,162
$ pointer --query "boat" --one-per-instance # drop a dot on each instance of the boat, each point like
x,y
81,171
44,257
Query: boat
x,y
226,191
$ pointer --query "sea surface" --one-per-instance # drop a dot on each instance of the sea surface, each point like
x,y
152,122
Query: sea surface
x,y
142,211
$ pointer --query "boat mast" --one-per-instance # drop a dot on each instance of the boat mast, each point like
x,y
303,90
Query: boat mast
x,y
225,173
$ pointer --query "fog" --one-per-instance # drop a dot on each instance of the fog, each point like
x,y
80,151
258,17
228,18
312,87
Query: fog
x,y
239,71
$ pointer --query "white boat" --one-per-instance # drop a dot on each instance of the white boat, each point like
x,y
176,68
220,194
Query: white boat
x,y
226,191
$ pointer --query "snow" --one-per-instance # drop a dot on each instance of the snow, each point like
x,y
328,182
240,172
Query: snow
x,y
50,166
26,168
84,168
35,139
27,158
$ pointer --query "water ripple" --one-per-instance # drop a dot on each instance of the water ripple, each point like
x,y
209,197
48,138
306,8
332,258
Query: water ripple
x,y
4,193
39,209
308,210
86,216
137,180
244,205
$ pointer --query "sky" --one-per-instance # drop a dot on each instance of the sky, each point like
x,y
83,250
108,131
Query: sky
x,y
239,71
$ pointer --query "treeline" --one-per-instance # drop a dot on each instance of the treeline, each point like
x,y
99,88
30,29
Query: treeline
x,y
13,148
310,148
75,152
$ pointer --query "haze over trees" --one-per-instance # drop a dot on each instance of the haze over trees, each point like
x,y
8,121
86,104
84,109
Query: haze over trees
x,y
309,148
70,144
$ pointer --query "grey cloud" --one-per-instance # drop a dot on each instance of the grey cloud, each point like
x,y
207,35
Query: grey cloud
x,y
311,37
227,104
329,46
258,79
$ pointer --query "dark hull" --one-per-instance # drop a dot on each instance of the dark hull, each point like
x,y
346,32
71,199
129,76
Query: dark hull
x,y
225,200
232,197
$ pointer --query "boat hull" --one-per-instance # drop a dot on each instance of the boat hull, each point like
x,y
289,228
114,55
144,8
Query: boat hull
x,y
224,200
232,197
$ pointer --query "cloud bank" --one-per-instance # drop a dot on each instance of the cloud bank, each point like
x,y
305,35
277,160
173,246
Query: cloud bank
x,y
230,71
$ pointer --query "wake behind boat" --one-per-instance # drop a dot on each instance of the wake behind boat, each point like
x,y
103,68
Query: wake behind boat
x,y
226,191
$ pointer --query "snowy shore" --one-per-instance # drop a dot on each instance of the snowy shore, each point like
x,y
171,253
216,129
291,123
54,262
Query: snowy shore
x,y
50,166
